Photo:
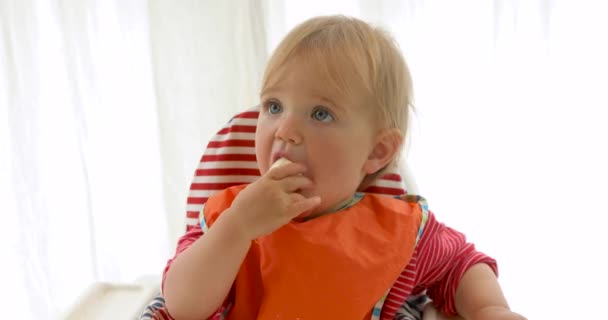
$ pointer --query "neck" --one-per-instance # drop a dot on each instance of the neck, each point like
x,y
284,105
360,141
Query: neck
x,y
333,209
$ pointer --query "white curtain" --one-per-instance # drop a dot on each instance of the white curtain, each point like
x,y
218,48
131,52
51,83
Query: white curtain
x,y
81,195
208,58
106,106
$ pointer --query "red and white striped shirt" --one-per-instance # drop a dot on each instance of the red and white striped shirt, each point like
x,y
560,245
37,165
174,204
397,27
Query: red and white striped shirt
x,y
439,261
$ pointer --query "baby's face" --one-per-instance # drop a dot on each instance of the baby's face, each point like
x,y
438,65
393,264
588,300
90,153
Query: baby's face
x,y
305,123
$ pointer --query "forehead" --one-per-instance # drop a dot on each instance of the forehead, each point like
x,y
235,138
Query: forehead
x,y
323,77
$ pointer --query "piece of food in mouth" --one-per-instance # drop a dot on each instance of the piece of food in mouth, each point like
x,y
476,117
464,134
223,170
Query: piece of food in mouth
x,y
279,163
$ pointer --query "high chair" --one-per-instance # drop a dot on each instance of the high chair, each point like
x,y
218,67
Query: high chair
x,y
230,160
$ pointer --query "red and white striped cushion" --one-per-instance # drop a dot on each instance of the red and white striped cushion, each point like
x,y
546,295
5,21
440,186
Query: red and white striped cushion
x,y
229,160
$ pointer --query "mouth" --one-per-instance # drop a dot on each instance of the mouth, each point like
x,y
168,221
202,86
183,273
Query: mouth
x,y
288,159
279,163
278,155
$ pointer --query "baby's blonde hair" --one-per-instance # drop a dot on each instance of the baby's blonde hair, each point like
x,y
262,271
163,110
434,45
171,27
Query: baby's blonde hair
x,y
357,60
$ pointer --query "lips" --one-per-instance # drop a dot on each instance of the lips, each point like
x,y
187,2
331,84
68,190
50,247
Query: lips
x,y
278,155
282,154
289,156
290,159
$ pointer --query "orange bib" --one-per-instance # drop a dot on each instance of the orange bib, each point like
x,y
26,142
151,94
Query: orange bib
x,y
337,266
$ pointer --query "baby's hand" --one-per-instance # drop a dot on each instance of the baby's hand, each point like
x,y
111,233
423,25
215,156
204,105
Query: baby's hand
x,y
497,314
272,201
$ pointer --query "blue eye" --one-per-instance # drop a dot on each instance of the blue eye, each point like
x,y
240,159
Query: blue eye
x,y
274,108
322,115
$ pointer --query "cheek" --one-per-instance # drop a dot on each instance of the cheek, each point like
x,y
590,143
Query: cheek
x,y
343,159
338,174
263,144
337,157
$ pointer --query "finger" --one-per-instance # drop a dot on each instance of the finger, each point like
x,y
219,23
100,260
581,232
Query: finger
x,y
301,206
287,170
295,183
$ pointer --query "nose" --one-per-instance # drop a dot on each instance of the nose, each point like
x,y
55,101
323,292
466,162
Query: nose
x,y
289,129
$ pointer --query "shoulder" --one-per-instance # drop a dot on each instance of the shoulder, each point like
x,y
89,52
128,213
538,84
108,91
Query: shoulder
x,y
411,200
409,205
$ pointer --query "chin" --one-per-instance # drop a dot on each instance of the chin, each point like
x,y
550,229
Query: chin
x,y
318,211
311,193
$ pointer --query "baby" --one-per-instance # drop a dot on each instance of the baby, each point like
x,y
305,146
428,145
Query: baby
x,y
302,242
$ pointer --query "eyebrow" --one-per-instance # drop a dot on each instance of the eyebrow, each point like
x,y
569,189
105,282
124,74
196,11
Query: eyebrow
x,y
332,103
269,90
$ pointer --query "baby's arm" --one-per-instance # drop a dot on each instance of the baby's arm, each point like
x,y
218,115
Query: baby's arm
x,y
479,296
457,277
200,278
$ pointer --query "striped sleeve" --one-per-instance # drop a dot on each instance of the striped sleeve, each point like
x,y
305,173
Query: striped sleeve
x,y
184,243
443,258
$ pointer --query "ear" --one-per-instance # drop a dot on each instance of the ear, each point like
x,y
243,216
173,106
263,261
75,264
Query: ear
x,y
384,151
